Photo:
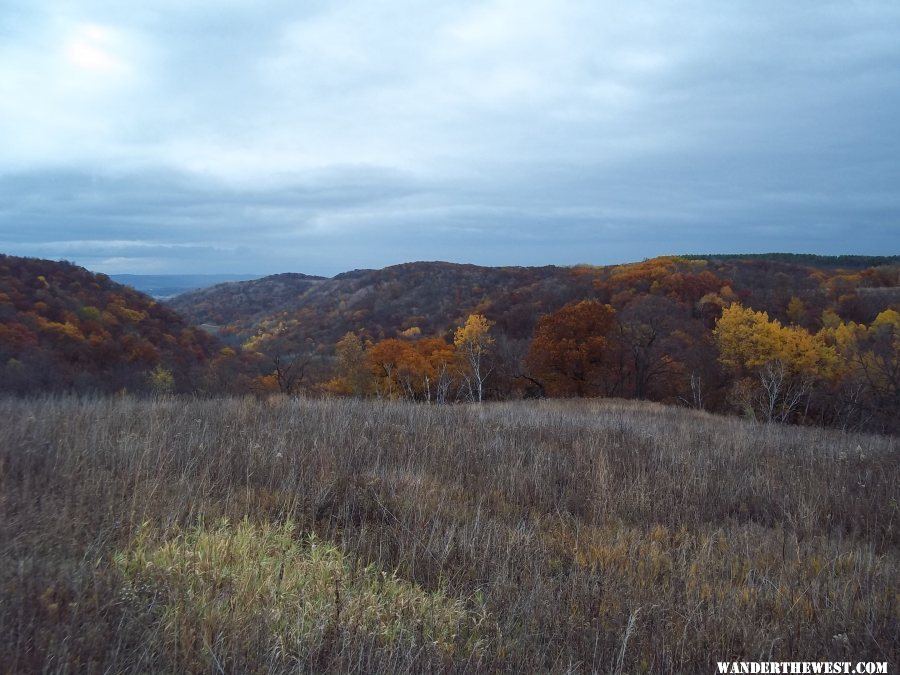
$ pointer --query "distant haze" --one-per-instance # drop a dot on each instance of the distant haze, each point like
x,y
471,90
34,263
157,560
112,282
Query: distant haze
x,y
164,286
257,137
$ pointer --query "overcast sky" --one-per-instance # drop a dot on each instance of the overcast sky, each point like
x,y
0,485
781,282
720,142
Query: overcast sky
x,y
321,136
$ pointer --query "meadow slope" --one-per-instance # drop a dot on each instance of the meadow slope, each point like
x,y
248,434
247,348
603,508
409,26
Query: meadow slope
x,y
237,535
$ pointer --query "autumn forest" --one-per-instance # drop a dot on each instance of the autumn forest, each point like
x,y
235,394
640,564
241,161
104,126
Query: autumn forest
x,y
787,338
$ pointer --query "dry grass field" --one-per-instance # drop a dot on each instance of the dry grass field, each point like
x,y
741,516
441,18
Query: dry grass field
x,y
362,536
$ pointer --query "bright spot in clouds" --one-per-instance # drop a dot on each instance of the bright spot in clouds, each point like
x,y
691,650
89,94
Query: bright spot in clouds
x,y
94,47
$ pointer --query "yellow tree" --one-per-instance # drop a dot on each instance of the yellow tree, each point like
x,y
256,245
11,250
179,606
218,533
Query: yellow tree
x,y
777,366
472,342
162,381
352,376
870,363
796,310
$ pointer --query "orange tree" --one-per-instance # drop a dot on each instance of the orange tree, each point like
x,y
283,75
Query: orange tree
x,y
571,349
416,370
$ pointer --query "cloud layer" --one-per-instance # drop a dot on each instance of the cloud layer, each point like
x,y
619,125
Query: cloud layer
x,y
236,136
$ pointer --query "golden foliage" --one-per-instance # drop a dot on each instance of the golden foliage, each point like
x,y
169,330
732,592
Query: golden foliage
x,y
227,580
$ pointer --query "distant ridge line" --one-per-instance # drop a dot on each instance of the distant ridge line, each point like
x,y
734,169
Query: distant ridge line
x,y
812,258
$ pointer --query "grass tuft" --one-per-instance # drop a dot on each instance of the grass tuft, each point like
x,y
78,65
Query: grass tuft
x,y
211,586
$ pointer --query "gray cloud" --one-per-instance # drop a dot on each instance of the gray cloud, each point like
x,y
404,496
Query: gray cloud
x,y
230,136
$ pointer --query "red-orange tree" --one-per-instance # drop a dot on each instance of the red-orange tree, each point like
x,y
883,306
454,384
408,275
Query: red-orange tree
x,y
419,370
570,350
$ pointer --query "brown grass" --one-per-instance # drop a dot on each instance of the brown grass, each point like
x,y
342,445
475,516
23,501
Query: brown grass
x,y
546,536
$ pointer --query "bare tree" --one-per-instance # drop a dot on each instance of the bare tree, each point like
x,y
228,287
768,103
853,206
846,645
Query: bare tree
x,y
290,372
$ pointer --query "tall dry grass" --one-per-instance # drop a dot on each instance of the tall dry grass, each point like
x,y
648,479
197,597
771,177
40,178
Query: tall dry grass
x,y
181,535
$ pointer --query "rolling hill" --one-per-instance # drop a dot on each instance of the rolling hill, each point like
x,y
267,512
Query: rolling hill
x,y
63,328
283,311
646,330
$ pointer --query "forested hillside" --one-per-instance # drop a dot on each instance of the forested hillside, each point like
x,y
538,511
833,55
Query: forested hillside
x,y
431,297
791,338
63,328
806,340
236,304
435,297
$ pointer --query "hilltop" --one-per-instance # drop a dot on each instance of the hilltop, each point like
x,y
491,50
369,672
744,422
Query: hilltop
x,y
435,297
430,296
244,302
302,535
